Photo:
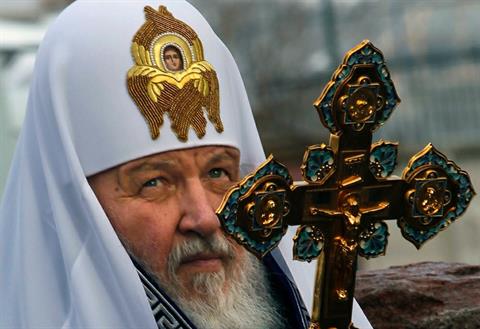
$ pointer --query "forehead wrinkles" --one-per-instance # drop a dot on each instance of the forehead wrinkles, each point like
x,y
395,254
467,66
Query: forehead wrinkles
x,y
127,172
224,154
146,165
176,159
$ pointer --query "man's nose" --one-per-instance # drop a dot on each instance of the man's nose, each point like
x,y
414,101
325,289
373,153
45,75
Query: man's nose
x,y
198,209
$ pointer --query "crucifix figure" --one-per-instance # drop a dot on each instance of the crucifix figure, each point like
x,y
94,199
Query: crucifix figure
x,y
347,190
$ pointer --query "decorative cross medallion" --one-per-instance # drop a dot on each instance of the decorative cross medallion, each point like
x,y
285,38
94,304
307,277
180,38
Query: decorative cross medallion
x,y
347,191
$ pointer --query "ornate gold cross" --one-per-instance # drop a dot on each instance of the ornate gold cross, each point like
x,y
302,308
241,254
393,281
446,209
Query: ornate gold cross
x,y
347,191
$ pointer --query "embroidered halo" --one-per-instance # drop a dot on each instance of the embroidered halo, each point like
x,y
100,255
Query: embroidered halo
x,y
170,76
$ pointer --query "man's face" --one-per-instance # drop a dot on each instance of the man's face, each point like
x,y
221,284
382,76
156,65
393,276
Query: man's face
x,y
161,201
172,59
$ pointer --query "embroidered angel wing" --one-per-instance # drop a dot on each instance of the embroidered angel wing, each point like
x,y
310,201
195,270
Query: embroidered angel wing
x,y
184,95
197,72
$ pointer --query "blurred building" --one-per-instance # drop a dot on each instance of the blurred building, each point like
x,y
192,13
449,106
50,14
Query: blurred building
x,y
287,51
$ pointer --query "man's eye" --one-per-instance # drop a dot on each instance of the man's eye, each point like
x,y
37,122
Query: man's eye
x,y
217,173
153,182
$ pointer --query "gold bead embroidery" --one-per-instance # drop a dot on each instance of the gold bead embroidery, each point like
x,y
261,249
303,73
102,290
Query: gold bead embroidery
x,y
182,88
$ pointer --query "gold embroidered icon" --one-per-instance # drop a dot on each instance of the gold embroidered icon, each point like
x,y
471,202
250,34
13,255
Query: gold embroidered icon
x,y
171,76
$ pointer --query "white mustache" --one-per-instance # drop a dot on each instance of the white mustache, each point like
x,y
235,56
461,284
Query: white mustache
x,y
217,245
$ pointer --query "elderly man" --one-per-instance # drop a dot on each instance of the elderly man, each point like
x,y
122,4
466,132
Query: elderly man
x,y
108,219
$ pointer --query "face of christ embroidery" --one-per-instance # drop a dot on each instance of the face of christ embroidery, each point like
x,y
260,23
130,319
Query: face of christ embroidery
x,y
170,76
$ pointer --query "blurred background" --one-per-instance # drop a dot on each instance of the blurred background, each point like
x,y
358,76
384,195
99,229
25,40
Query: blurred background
x,y
287,51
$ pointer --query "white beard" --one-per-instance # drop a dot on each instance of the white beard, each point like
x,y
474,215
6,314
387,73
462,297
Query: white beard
x,y
248,302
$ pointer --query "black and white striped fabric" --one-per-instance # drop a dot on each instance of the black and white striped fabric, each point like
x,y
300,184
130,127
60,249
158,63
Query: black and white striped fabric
x,y
166,313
